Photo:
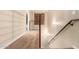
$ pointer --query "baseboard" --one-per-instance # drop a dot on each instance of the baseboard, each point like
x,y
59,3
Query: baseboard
x,y
12,41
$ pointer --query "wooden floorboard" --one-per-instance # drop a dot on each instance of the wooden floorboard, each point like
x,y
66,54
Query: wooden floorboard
x,y
28,41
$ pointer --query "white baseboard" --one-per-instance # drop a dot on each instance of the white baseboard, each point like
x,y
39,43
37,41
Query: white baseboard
x,y
12,41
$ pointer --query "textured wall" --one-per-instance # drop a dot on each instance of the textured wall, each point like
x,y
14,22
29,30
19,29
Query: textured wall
x,y
12,25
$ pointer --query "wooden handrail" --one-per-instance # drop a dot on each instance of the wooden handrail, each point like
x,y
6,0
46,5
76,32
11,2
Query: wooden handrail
x,y
70,22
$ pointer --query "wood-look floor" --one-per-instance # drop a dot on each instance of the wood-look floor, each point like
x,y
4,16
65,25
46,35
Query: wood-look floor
x,y
27,41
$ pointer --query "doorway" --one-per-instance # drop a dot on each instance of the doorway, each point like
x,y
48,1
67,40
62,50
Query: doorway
x,y
39,20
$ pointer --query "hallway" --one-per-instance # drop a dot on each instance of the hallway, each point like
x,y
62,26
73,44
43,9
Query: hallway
x,y
29,40
57,29
13,25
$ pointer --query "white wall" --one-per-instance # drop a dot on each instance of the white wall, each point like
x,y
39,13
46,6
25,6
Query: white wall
x,y
12,25
68,38
19,23
56,21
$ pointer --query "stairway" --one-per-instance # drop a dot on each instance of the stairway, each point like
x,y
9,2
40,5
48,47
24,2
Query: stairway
x,y
67,37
